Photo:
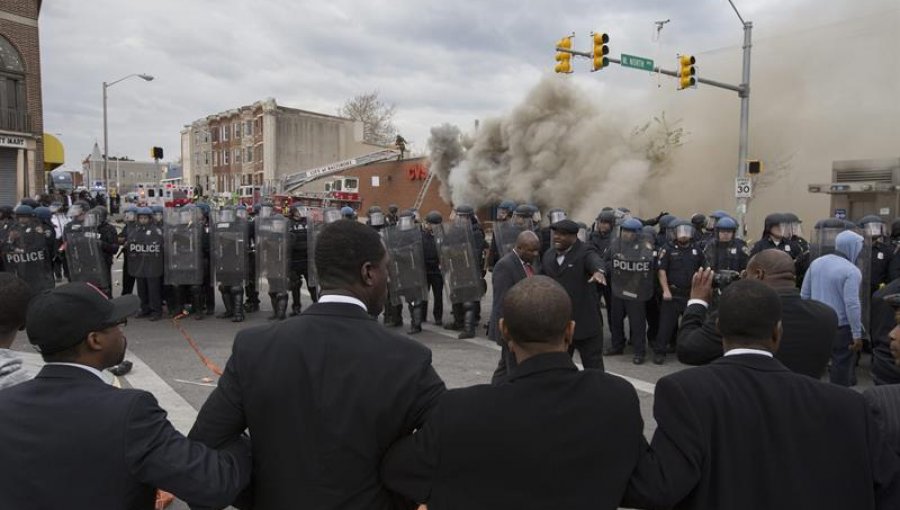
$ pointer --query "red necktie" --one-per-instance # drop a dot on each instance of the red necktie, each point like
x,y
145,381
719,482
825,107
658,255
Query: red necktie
x,y
528,270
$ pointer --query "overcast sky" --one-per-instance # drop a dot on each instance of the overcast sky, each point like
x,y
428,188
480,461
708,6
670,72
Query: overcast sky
x,y
436,61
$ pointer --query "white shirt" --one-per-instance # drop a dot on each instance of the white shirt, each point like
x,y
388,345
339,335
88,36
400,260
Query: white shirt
x,y
735,352
335,298
83,367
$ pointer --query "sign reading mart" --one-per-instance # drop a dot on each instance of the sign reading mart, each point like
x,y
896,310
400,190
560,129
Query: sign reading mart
x,y
12,141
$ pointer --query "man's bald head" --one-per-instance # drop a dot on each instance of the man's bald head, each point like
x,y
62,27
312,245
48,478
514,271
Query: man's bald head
x,y
773,267
536,310
528,245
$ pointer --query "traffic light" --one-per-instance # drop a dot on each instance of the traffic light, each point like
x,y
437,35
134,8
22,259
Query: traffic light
x,y
564,59
599,60
686,72
754,167
156,153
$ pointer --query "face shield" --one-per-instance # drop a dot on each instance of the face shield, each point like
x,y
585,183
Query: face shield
x,y
796,229
683,233
582,234
502,214
406,223
225,215
536,217
186,216
780,229
726,236
556,216
266,211
711,222
158,216
628,235
91,219
376,219
241,214
331,215
299,212
76,211
874,229
130,216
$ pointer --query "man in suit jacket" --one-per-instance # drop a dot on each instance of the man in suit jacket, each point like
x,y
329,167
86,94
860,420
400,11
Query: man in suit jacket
x,y
550,436
577,268
809,325
510,269
325,393
70,440
746,433
885,398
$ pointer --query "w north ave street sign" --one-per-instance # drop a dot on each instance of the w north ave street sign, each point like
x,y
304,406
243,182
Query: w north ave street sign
x,y
743,188
642,63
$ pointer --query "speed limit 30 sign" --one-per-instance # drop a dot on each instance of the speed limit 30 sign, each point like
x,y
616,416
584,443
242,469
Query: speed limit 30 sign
x,y
743,188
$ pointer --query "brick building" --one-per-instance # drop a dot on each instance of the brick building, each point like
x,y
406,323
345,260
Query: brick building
x,y
21,114
260,143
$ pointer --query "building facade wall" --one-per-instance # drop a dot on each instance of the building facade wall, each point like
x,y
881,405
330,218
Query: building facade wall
x,y
19,26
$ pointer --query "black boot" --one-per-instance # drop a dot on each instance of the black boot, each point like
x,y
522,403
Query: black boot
x,y
314,294
237,299
281,307
229,305
416,313
274,299
397,313
469,324
196,304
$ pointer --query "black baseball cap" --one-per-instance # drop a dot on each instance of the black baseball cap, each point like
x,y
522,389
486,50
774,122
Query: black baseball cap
x,y
61,318
565,226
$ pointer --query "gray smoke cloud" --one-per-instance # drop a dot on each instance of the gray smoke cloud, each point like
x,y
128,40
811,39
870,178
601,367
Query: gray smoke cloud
x,y
558,148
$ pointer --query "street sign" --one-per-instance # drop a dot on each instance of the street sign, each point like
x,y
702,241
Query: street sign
x,y
642,63
743,188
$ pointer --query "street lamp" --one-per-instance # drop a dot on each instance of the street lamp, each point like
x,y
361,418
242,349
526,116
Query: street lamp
x,y
145,77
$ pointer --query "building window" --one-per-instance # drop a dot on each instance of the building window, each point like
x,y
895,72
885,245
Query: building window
x,y
248,128
215,158
215,134
249,154
225,133
237,130
225,156
237,156
206,158
206,136
13,112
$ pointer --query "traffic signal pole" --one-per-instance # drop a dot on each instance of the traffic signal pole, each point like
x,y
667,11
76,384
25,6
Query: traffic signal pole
x,y
743,91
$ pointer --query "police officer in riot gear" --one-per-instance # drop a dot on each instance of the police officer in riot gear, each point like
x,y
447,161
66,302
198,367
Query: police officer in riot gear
x,y
109,237
678,261
299,239
393,313
183,255
630,266
28,248
144,248
704,236
725,252
130,217
467,235
874,229
407,268
230,245
158,212
392,216
273,257
433,266
504,215
348,213
252,293
776,235
207,290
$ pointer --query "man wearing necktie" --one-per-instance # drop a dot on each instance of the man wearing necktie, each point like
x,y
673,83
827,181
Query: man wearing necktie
x,y
509,270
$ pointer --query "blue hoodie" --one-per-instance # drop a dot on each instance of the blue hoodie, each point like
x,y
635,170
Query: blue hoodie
x,y
835,280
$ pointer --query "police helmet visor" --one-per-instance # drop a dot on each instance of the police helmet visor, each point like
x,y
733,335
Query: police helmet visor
x,y
711,222
265,211
726,235
502,214
76,211
300,211
241,213
158,216
406,222
874,229
185,216
226,215
796,229
628,235
91,219
376,219
683,232
130,216
331,215
582,234
556,216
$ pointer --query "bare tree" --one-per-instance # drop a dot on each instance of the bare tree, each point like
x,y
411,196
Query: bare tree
x,y
376,115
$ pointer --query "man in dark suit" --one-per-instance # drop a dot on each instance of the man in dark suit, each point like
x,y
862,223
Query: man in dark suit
x,y
809,325
577,268
746,433
325,393
70,440
885,397
512,267
550,436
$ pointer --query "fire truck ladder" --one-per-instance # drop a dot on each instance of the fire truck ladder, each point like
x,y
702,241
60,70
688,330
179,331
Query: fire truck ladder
x,y
293,181
424,191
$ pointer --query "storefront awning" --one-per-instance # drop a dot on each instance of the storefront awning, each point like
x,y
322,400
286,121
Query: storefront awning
x,y
54,154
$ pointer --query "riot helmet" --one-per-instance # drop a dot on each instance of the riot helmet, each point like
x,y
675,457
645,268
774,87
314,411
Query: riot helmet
x,y
392,209
6,212
434,218
725,229
240,212
582,231
130,214
24,211
157,212
376,219
505,210
406,221
102,213
873,226
629,228
794,221
347,212
144,215
714,218
373,209
522,216
682,230
556,214
699,221
78,209
776,225
535,214
43,213
299,212
204,209
664,221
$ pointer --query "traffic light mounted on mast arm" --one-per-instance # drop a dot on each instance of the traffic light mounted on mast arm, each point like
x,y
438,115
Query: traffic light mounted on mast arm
x,y
564,59
600,51
686,72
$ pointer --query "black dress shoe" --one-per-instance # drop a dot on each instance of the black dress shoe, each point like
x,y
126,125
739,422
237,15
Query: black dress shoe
x,y
638,359
609,351
659,358
122,368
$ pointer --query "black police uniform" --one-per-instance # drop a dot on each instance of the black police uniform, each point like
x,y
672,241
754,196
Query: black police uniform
x,y
680,263
127,279
299,235
459,309
433,275
786,245
729,256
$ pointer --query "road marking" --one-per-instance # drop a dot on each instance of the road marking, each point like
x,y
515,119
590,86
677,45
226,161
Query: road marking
x,y
181,413
208,385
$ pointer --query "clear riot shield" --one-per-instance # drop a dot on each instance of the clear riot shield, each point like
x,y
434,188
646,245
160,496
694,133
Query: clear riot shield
x,y
632,257
230,248
506,233
183,251
314,224
27,255
407,262
272,252
84,255
864,263
456,249
824,236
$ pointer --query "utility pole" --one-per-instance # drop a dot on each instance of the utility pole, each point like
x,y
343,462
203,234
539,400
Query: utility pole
x,y
744,141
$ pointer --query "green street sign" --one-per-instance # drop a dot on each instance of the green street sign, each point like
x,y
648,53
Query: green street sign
x,y
642,63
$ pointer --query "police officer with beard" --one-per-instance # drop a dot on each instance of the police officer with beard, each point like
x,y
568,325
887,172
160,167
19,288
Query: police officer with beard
x,y
725,252
433,267
299,236
144,249
678,261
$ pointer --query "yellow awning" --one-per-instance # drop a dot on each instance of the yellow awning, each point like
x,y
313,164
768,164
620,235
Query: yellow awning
x,y
54,154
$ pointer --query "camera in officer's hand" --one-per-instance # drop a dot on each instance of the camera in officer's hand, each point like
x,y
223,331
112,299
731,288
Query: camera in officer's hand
x,y
724,277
